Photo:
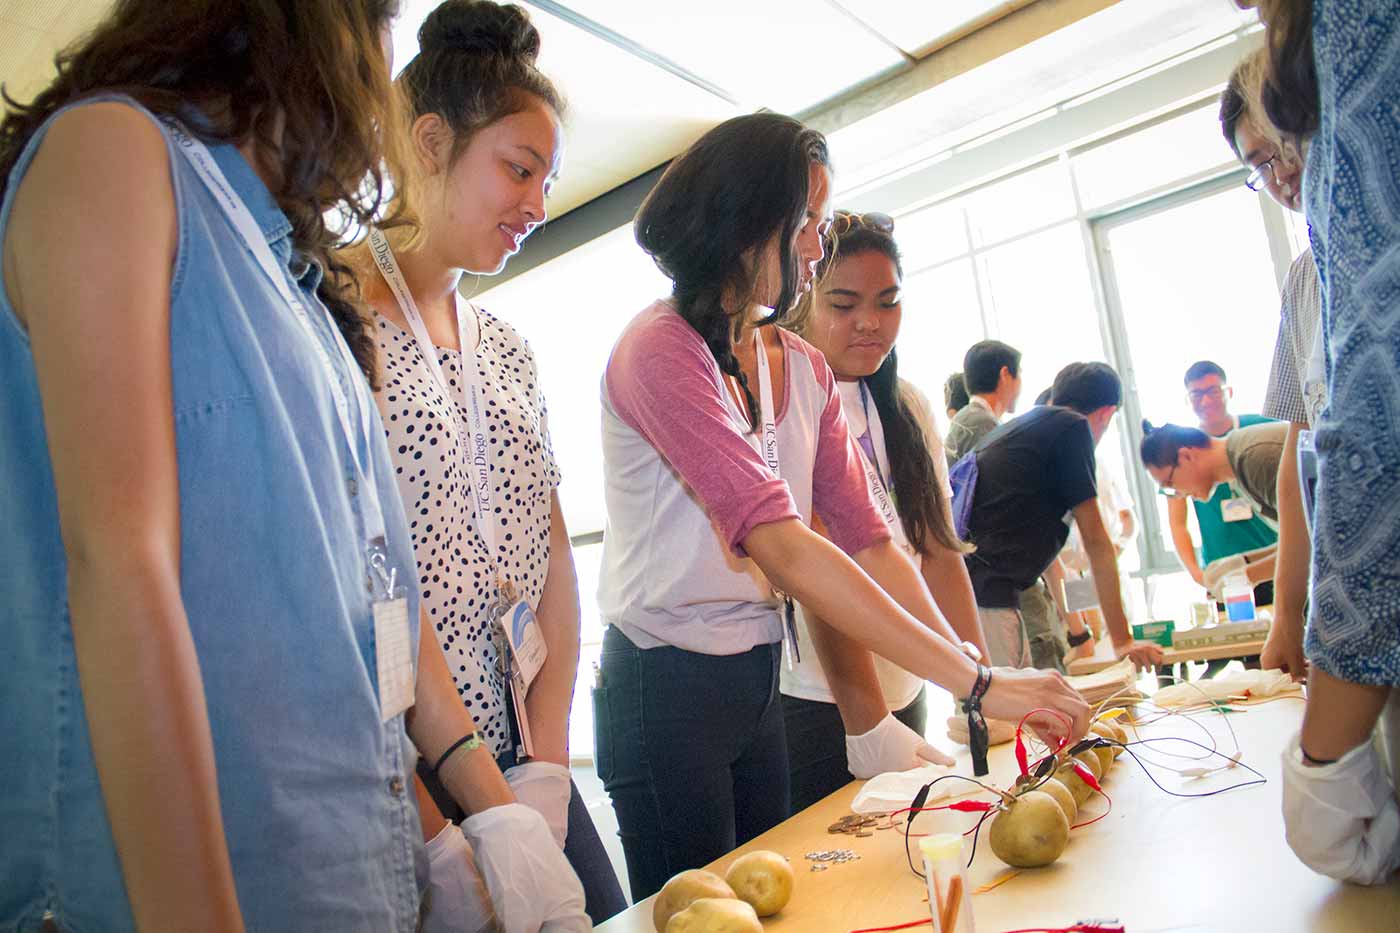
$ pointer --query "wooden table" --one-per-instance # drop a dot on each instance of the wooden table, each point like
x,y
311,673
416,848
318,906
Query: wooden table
x,y
1159,864
1103,656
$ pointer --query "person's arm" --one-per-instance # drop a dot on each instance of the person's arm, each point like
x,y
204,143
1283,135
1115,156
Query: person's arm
x,y
1103,560
1259,566
945,573
1181,538
850,675
96,302
814,571
438,719
1074,621
551,695
1283,649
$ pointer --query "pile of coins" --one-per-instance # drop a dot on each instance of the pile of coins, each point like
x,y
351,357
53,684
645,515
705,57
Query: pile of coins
x,y
825,858
860,824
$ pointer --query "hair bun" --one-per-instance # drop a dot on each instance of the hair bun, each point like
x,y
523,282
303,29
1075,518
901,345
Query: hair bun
x,y
1147,427
481,27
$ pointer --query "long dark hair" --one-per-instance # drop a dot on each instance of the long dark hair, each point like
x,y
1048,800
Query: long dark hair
x,y
741,186
1290,92
476,65
306,79
917,491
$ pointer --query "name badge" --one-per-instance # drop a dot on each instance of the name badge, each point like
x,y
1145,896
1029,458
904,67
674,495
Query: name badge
x,y
521,652
393,650
1236,510
393,637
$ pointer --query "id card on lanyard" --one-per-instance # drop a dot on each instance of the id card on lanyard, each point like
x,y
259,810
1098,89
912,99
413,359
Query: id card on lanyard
x,y
393,641
768,450
880,492
515,630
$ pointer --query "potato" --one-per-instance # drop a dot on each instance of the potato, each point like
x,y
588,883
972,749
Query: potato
x,y
1105,757
1112,731
1091,761
1076,785
1032,831
684,889
715,915
763,879
1056,788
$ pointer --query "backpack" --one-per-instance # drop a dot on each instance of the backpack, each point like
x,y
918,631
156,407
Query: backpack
x,y
963,478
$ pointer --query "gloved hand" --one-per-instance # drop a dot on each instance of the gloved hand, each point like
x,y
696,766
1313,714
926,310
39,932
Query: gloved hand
x,y
546,787
1341,819
890,746
1218,570
457,901
532,886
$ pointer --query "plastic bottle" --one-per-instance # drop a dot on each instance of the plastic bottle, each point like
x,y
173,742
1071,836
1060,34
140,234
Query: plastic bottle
x,y
949,899
1239,598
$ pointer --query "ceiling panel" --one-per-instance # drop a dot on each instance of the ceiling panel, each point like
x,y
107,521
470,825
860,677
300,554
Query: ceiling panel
x,y
31,32
1021,85
917,26
782,54
626,116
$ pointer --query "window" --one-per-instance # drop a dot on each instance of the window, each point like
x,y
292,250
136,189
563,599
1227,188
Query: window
x,y
1193,280
1179,147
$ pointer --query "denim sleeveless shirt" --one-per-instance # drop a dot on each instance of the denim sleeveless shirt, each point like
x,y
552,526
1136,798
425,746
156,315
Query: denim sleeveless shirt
x,y
316,792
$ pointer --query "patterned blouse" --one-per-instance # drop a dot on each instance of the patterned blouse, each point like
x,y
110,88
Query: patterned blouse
x,y
1352,195
424,429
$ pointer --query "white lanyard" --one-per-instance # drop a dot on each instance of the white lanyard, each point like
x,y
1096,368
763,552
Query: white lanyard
x,y
471,401
879,489
241,219
768,429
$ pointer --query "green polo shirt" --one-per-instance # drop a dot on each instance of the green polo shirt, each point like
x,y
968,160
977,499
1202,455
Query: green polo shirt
x,y
1220,538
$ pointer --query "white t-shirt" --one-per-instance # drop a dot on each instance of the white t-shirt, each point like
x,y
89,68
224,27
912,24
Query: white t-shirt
x,y
805,680
685,485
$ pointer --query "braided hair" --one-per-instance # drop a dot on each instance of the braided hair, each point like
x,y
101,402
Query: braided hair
x,y
742,186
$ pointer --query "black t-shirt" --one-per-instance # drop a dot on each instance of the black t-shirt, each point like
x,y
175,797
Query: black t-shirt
x,y
1031,472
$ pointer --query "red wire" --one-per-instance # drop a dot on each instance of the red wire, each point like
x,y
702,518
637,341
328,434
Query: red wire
x,y
899,926
1100,816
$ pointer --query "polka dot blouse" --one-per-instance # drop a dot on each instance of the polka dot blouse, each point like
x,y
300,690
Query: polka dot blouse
x,y
425,434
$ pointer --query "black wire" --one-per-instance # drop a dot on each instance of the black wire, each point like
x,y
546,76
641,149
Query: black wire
x,y
1260,779
977,830
922,797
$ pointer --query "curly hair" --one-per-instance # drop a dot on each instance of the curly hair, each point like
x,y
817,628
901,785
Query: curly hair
x,y
305,79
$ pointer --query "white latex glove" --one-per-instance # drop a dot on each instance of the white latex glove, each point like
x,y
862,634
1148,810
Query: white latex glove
x,y
545,787
1218,570
457,899
1341,819
890,746
532,886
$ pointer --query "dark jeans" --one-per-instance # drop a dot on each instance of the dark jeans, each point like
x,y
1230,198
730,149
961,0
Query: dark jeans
x,y
691,750
816,742
582,847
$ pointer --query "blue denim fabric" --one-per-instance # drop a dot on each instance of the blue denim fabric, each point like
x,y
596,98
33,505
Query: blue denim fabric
x,y
316,791
1351,189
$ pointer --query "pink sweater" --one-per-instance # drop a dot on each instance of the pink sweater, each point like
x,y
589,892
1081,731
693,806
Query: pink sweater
x,y
685,485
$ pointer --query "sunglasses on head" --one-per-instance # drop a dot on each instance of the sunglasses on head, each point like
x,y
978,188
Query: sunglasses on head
x,y
844,222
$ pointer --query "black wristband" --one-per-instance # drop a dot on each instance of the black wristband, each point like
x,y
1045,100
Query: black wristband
x,y
472,740
1076,640
1319,762
977,737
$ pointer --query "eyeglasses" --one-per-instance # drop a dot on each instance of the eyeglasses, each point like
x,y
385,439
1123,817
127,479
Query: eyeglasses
x,y
845,221
1168,487
1214,393
1262,175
